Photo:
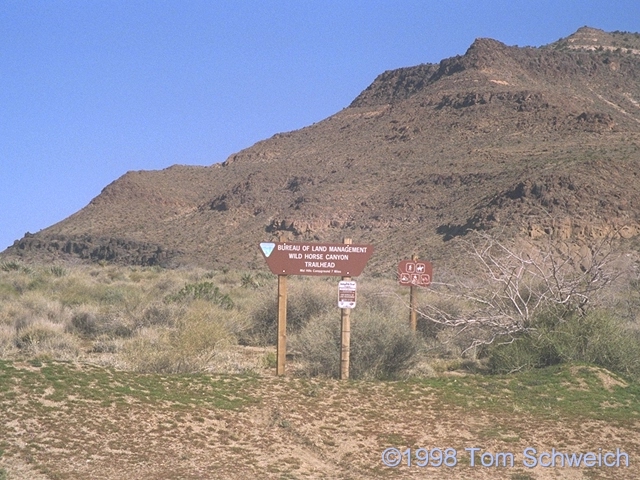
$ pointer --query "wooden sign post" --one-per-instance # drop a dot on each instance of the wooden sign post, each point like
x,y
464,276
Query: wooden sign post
x,y
345,334
413,317
281,347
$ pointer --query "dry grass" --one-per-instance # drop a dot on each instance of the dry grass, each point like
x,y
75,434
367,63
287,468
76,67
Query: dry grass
x,y
64,420
168,321
200,334
113,315
148,319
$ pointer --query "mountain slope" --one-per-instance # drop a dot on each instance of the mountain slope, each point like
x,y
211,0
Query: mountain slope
x,y
533,141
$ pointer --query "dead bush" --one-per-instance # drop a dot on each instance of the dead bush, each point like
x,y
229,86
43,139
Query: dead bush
x,y
509,285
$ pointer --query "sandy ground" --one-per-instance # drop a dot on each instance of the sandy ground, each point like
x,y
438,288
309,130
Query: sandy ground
x,y
293,428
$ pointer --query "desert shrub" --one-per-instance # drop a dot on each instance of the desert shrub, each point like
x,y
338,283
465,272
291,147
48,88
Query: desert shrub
x,y
381,347
159,314
376,296
39,337
7,340
319,346
40,304
76,290
597,338
7,291
14,266
200,333
106,344
627,304
92,321
57,271
165,284
31,333
202,291
249,281
306,301
457,342
441,310
522,353
112,296
85,322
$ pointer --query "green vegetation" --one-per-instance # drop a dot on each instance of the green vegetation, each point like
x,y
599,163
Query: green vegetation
x,y
100,360
381,347
152,320
59,381
202,291
597,338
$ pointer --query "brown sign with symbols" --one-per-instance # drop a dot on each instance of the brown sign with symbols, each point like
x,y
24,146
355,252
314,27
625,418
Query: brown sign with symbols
x,y
415,272
321,259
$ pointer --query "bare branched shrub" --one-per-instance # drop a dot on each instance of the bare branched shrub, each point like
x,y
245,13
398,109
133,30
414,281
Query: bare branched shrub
x,y
508,287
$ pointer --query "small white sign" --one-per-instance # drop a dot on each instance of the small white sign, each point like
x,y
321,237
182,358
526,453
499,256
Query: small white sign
x,y
347,294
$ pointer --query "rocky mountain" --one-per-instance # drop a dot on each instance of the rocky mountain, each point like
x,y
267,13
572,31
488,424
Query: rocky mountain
x,y
538,142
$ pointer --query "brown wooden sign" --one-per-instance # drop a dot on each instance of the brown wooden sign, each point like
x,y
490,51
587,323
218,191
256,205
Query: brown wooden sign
x,y
321,259
415,272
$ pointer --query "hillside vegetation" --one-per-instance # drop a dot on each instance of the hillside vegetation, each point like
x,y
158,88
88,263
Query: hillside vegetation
x,y
541,143
512,309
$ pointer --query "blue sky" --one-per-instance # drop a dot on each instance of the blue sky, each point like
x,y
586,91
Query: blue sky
x,y
92,89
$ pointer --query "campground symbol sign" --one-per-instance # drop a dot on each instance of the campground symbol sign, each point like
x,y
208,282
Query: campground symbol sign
x,y
321,259
415,272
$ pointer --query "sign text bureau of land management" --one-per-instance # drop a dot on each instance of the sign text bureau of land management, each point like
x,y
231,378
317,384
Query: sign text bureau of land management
x,y
322,259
